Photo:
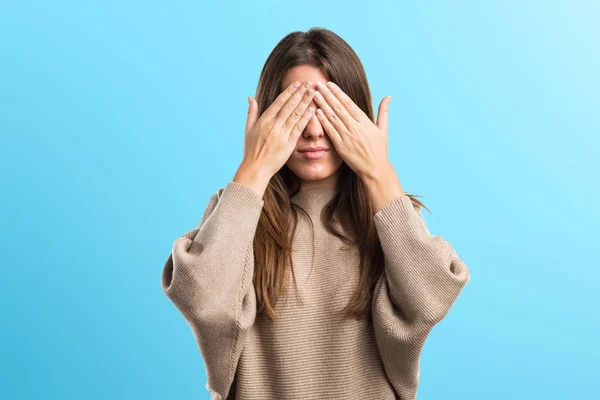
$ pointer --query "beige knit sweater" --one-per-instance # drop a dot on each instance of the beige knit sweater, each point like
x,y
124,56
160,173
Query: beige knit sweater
x,y
310,351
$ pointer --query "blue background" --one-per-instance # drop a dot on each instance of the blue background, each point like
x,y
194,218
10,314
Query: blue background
x,y
120,119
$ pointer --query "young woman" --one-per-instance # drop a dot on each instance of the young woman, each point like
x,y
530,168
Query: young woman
x,y
316,209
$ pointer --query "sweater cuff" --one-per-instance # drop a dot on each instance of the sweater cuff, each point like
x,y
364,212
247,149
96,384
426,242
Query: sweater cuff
x,y
237,214
246,199
401,216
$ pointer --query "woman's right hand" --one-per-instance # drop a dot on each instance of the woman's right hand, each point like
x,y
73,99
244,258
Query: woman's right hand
x,y
271,139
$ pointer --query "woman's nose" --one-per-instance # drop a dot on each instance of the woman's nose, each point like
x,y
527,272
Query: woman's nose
x,y
313,128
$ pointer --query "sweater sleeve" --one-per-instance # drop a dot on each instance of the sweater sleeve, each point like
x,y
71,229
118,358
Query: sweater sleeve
x,y
208,277
422,278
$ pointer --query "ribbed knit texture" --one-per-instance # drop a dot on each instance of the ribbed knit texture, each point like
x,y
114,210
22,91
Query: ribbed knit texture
x,y
311,351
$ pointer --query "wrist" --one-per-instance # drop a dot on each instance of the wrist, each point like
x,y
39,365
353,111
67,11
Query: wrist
x,y
383,186
253,176
379,175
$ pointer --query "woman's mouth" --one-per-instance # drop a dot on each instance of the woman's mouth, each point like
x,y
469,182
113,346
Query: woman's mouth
x,y
313,155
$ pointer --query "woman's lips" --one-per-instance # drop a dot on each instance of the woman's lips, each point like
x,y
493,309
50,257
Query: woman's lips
x,y
313,155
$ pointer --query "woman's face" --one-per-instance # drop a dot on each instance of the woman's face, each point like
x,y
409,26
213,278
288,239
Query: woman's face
x,y
313,172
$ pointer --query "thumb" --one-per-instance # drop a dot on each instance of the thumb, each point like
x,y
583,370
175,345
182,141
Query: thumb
x,y
382,114
252,111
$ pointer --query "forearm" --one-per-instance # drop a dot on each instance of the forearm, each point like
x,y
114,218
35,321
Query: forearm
x,y
424,273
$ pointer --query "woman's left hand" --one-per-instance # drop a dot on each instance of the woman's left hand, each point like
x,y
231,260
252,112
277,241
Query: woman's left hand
x,y
362,144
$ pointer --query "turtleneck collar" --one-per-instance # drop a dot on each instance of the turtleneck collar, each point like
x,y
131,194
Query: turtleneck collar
x,y
313,200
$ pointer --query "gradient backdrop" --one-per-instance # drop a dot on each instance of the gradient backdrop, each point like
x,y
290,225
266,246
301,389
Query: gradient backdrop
x,y
119,120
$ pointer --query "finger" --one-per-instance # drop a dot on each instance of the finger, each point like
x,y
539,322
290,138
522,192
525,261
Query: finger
x,y
283,97
329,128
290,106
331,116
252,114
354,110
301,124
299,111
328,98
382,113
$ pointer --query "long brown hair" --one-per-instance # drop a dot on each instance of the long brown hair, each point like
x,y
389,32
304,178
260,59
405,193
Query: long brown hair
x,y
350,205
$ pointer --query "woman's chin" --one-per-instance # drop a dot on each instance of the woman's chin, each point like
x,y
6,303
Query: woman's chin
x,y
313,171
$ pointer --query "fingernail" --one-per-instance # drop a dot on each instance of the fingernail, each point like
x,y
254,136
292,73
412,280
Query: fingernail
x,y
249,100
